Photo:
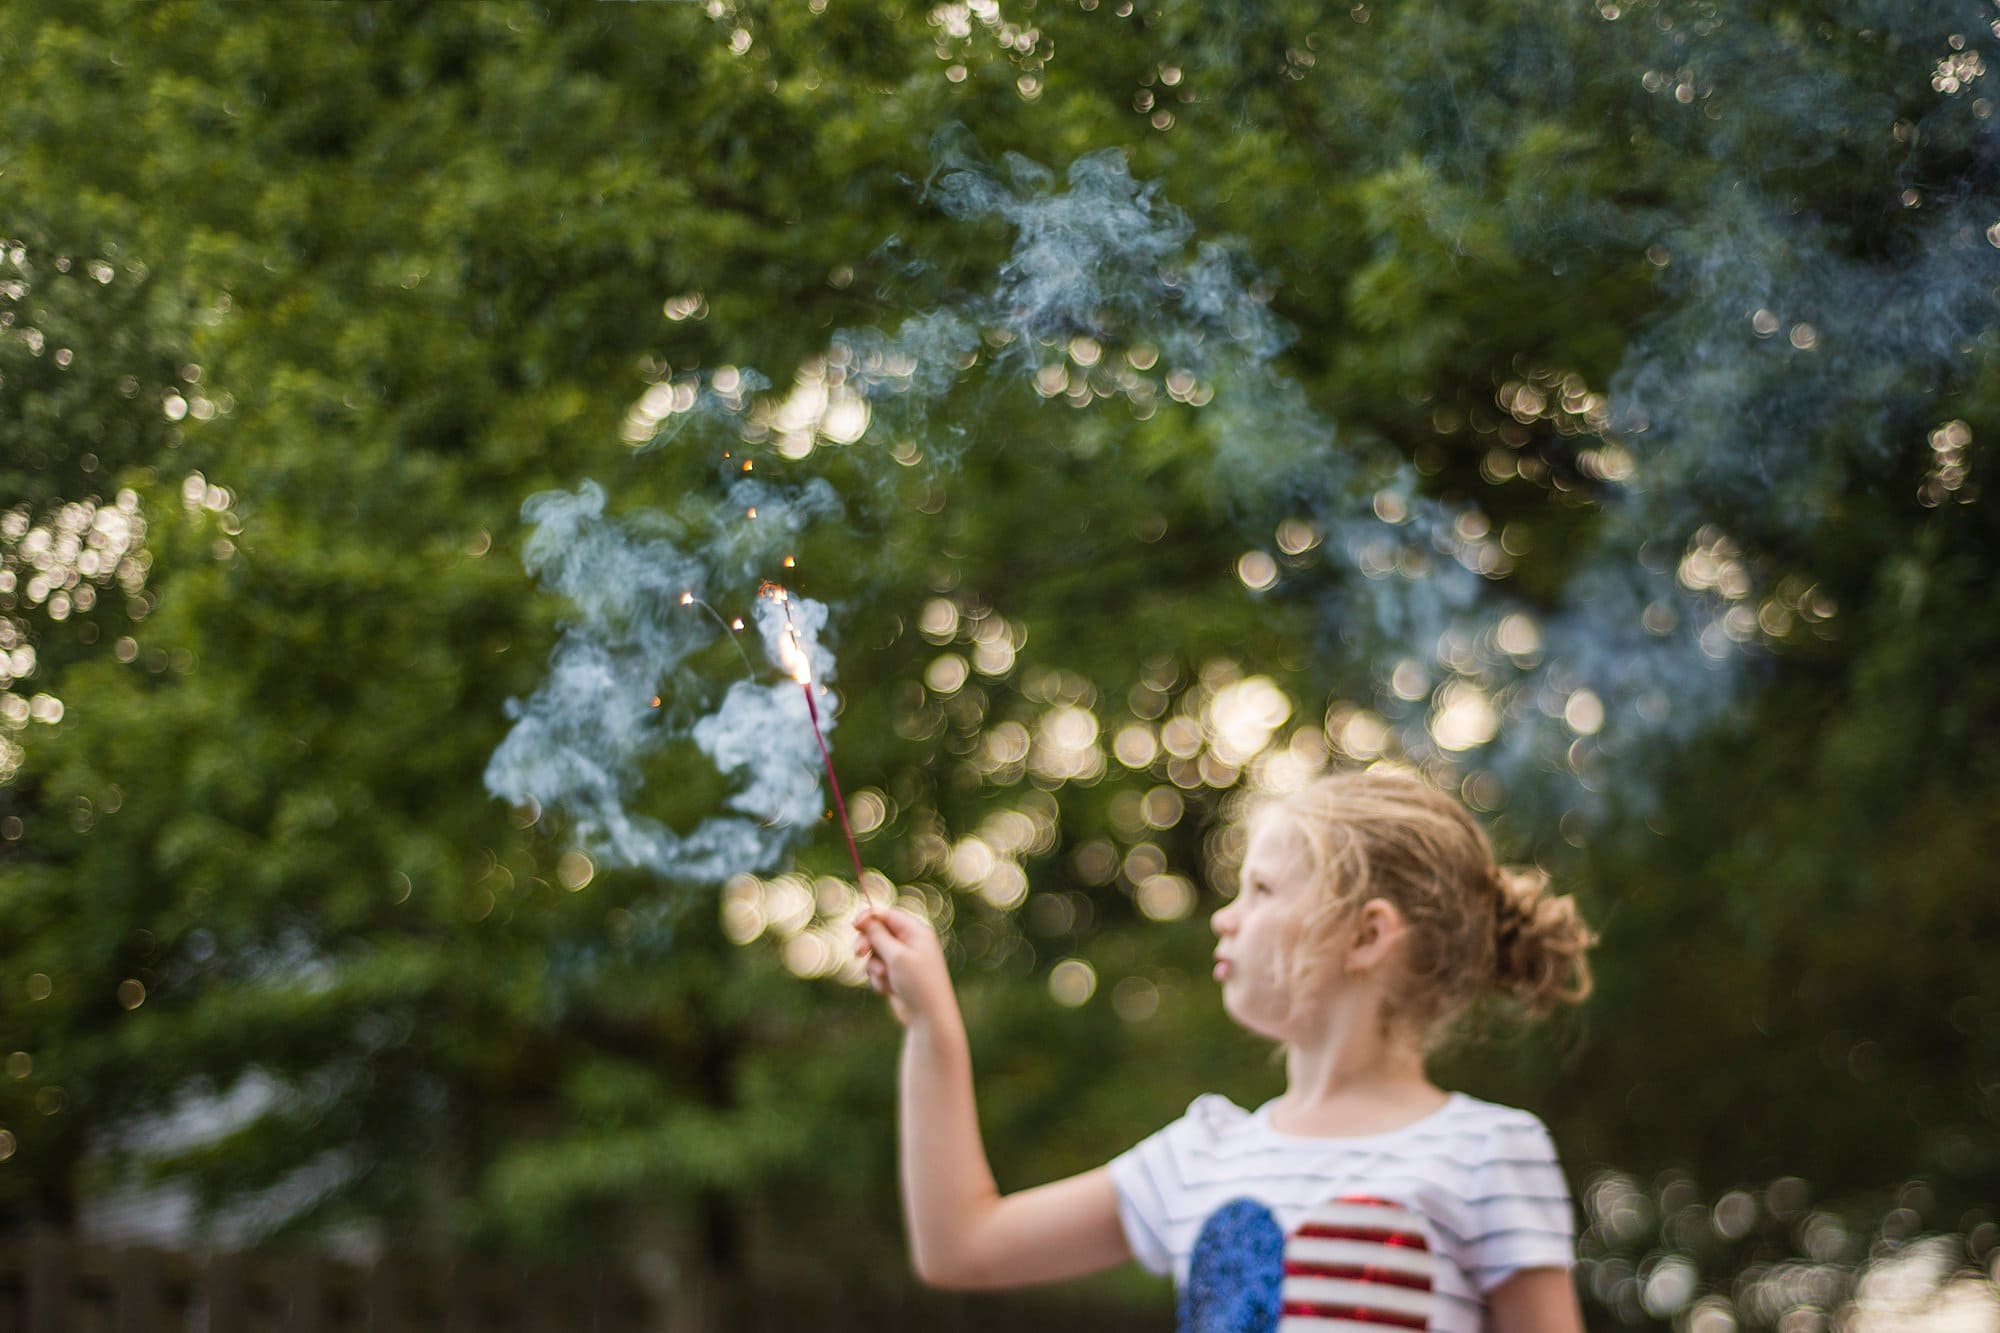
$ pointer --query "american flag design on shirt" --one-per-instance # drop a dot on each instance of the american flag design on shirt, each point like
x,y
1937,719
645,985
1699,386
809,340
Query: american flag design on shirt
x,y
1356,1264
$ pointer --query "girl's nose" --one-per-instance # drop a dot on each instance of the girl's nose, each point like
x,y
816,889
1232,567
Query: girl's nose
x,y
1222,922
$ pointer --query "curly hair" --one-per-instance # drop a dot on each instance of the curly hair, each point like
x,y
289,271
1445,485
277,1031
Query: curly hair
x,y
1475,928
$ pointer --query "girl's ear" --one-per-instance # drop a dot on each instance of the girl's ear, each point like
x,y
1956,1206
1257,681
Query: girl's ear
x,y
1378,928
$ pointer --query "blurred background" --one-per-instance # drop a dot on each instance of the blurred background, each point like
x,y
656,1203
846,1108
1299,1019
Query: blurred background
x,y
1582,403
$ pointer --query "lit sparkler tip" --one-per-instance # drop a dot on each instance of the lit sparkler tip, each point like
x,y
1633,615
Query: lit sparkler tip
x,y
687,599
791,561
748,464
656,701
791,652
752,512
736,623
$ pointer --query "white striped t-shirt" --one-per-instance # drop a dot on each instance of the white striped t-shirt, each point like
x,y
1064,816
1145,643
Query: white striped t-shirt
x,y
1410,1228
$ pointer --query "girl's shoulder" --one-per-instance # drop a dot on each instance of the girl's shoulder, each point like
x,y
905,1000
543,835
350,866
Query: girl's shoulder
x,y
1212,1125
1215,1112
1476,1110
1469,1131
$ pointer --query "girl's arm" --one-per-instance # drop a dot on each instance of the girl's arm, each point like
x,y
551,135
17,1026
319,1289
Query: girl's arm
x,y
1535,1300
963,1233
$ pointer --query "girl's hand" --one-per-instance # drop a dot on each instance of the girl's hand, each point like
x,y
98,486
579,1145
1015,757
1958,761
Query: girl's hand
x,y
906,963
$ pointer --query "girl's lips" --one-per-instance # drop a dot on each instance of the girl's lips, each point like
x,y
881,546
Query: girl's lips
x,y
1221,969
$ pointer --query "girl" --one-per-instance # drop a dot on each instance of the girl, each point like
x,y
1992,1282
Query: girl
x,y
1370,916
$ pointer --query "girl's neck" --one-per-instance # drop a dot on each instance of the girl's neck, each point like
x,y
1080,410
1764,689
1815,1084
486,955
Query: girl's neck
x,y
1354,1080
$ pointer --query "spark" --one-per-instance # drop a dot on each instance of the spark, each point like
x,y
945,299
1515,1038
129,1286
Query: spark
x,y
728,627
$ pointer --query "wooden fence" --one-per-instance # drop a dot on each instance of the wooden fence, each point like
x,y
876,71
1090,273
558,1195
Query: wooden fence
x,y
53,1283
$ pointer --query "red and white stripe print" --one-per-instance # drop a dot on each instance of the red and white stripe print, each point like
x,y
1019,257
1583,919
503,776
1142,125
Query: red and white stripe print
x,y
1356,1264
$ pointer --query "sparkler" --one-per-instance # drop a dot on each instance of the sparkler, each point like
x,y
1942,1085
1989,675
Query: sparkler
x,y
792,655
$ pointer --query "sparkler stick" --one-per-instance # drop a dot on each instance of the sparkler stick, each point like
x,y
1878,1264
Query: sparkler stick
x,y
799,665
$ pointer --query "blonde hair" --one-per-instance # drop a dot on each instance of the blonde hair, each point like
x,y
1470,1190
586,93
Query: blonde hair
x,y
1474,928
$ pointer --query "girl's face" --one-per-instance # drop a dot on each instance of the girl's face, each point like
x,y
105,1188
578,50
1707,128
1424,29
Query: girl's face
x,y
1257,932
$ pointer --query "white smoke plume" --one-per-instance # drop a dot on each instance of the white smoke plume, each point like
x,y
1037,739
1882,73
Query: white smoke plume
x,y
1782,360
579,741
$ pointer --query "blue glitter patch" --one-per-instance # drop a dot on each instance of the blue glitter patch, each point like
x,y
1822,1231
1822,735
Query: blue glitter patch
x,y
1235,1271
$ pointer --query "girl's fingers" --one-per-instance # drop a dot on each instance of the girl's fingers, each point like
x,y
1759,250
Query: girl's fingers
x,y
903,927
894,928
899,926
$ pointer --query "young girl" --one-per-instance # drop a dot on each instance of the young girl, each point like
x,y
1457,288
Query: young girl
x,y
1364,1197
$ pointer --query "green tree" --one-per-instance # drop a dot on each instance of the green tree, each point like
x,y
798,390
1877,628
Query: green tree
x,y
378,274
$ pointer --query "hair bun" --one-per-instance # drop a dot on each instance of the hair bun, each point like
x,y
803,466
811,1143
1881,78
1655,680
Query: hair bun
x,y
1540,941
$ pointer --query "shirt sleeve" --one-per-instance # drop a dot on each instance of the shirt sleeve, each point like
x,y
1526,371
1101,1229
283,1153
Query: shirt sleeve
x,y
1149,1178
1143,1175
1520,1208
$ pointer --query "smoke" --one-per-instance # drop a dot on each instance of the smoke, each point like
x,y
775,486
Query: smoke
x,y
1105,258
1783,365
580,741
1084,260
1787,356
